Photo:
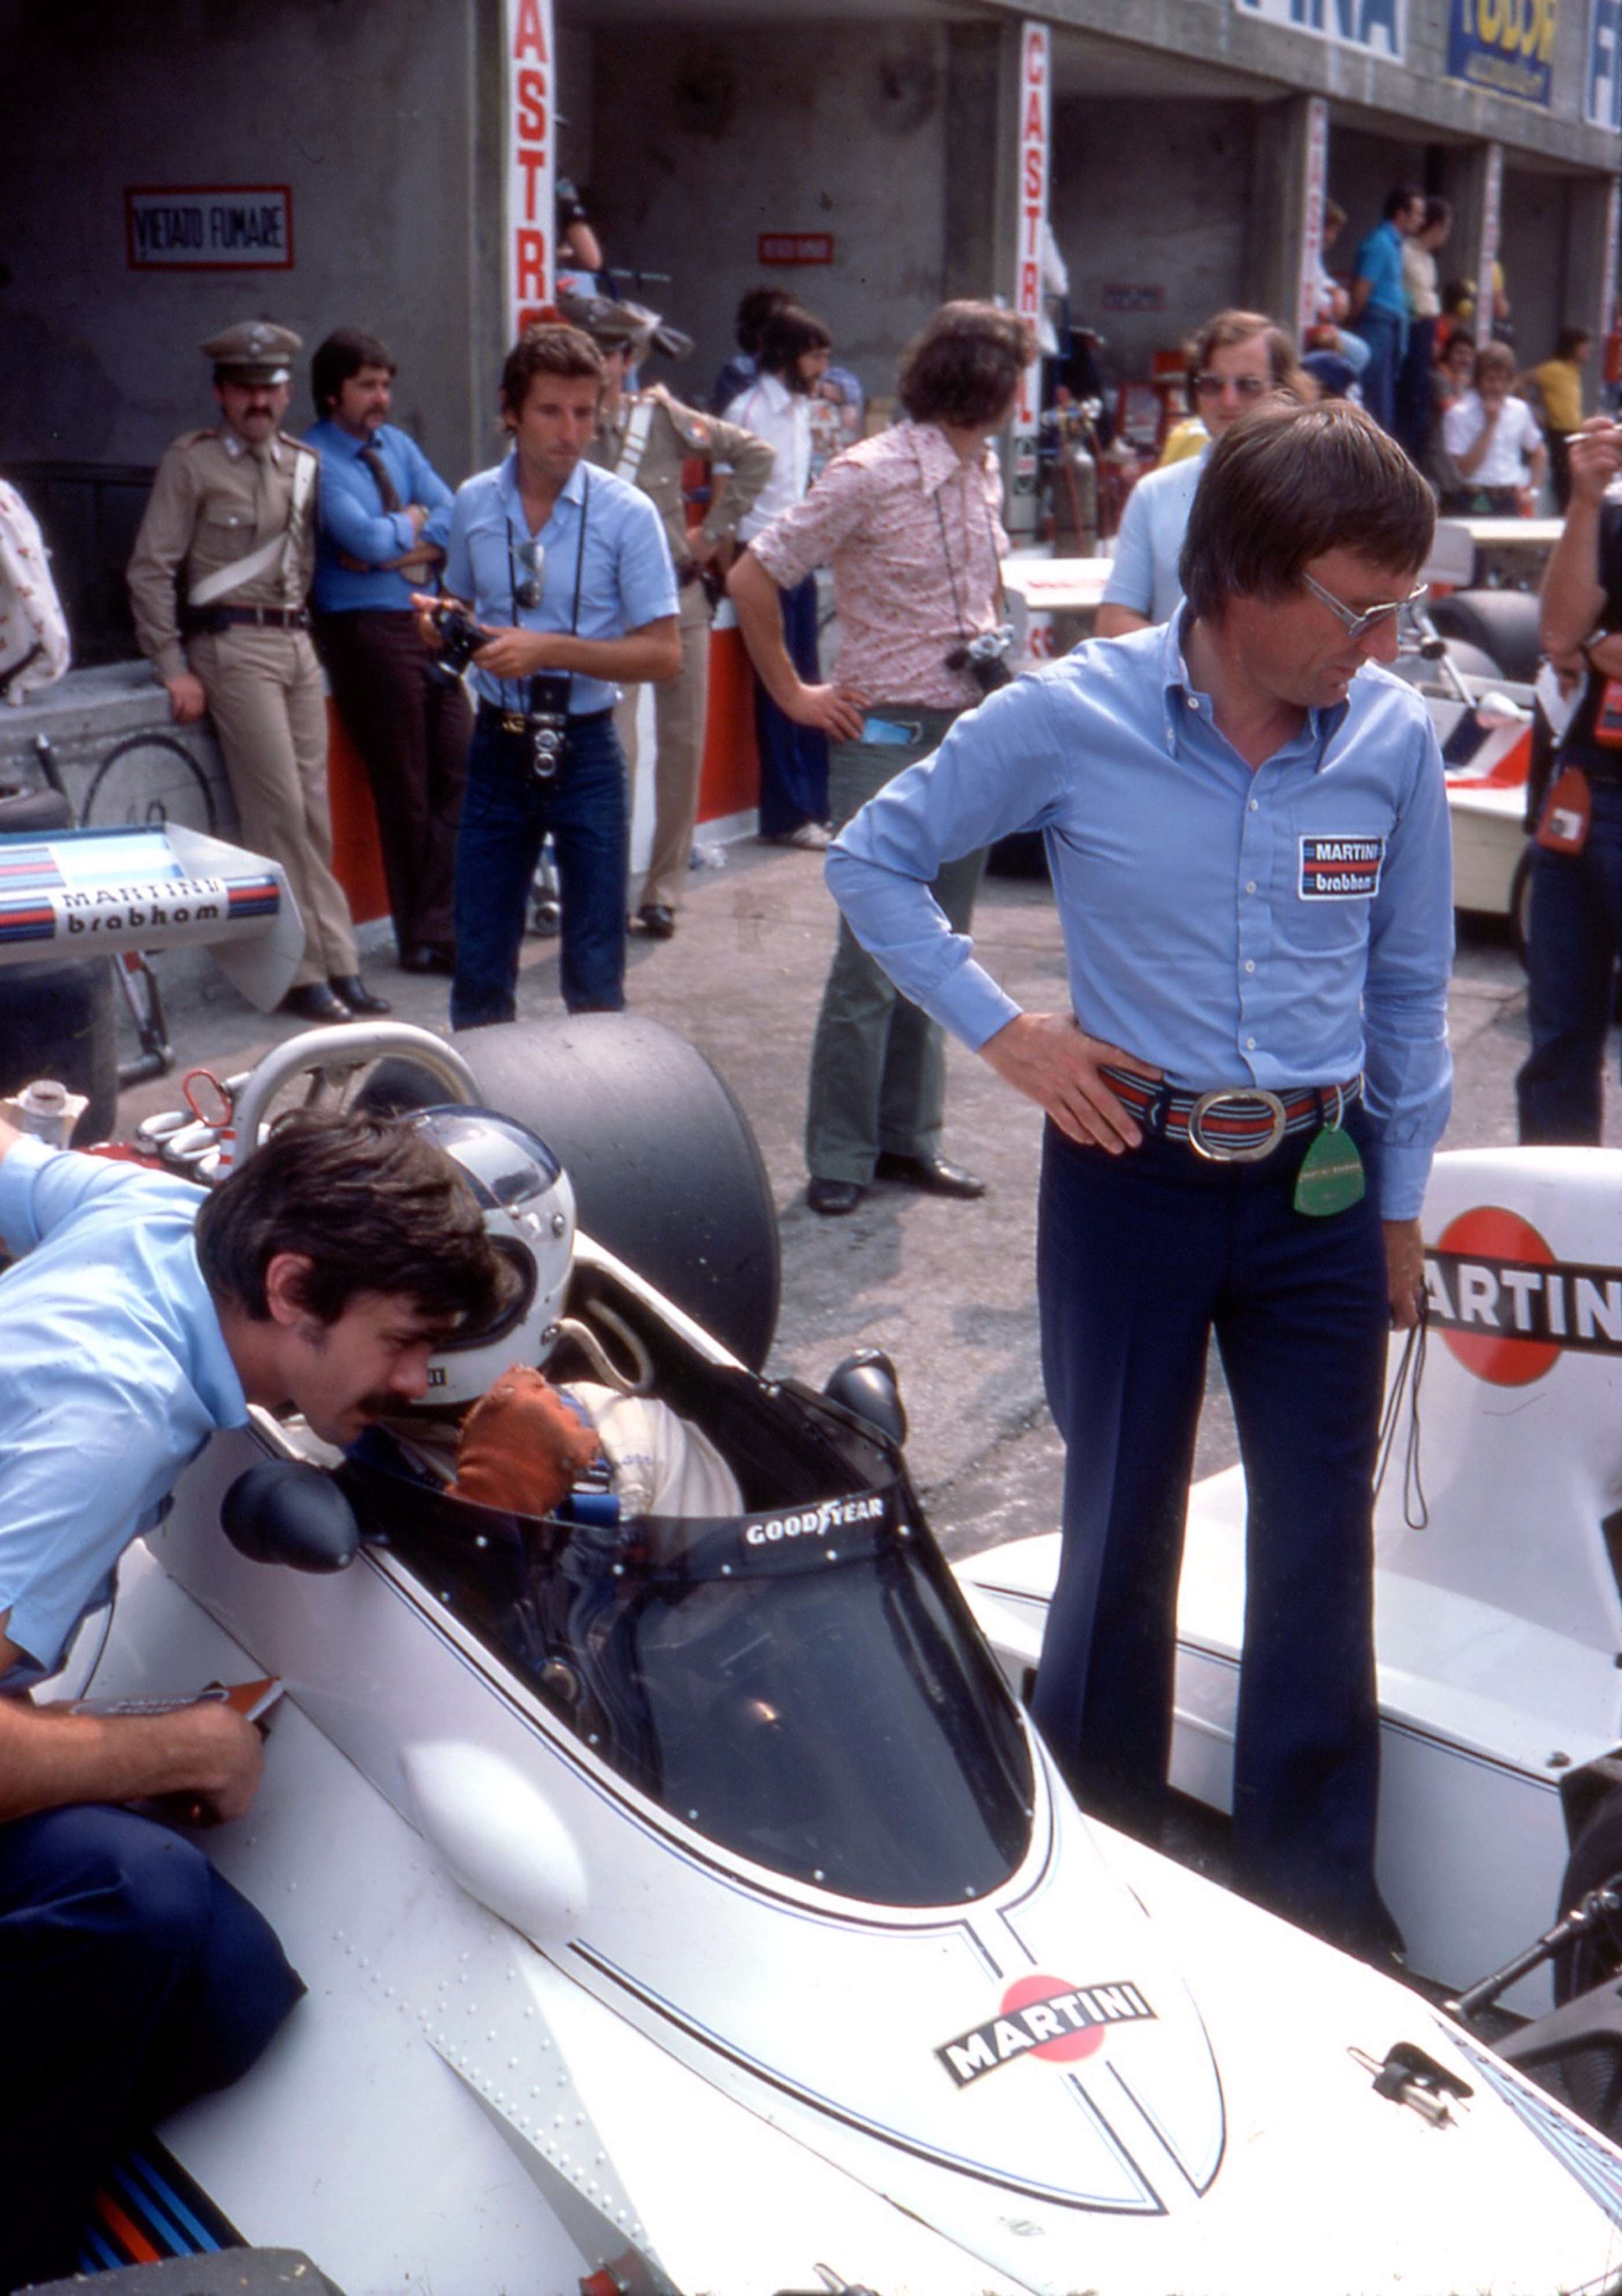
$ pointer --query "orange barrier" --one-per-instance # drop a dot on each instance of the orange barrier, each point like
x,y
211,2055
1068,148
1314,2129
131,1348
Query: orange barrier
x,y
357,859
729,781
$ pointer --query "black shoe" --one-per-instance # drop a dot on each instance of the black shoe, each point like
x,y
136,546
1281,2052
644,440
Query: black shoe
x,y
424,956
931,1173
356,995
834,1198
656,920
316,1002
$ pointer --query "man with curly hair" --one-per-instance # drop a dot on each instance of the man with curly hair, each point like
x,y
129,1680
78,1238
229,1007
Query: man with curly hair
x,y
909,523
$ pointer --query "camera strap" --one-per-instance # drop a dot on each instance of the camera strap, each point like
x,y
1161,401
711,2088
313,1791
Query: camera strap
x,y
945,553
574,618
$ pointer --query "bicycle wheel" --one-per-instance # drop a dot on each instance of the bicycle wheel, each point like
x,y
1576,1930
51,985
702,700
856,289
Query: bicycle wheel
x,y
148,780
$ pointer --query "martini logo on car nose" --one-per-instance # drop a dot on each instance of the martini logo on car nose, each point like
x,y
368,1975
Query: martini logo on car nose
x,y
1044,2017
1507,1308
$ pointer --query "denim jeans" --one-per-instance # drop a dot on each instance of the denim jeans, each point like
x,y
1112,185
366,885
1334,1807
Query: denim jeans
x,y
793,758
1382,331
506,812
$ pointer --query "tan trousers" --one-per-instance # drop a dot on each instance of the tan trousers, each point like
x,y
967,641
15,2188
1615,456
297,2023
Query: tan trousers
x,y
269,711
679,710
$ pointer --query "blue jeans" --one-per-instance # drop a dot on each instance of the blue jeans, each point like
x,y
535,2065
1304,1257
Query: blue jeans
x,y
1573,937
1140,1258
506,812
1383,333
132,1979
793,758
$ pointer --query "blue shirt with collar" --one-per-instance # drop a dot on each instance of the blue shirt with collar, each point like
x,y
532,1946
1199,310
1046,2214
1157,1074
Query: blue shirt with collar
x,y
1379,261
622,561
116,1374
354,522
1283,927
1144,572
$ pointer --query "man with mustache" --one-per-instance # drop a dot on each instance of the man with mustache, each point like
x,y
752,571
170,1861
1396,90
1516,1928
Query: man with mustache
x,y
140,1317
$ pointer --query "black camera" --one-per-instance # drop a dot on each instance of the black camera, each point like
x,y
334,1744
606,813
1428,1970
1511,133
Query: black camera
x,y
547,722
983,662
460,639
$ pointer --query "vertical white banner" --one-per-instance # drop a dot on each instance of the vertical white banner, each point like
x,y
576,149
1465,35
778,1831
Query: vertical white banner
x,y
530,101
1315,179
1487,255
1611,302
1032,207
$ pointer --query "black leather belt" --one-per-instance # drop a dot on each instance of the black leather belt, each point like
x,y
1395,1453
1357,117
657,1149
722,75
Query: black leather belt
x,y
497,720
205,620
1236,1124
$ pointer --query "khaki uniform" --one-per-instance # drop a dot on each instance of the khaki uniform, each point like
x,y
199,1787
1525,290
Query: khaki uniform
x,y
213,501
742,463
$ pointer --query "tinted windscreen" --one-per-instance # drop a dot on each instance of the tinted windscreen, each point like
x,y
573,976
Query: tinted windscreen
x,y
802,1687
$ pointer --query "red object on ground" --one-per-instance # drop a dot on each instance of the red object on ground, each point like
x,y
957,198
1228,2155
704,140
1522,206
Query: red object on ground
x,y
729,781
357,857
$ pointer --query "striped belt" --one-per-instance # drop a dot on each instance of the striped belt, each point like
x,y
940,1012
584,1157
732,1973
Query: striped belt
x,y
1236,1124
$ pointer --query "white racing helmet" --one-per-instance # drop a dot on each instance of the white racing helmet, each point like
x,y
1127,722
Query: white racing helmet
x,y
528,1208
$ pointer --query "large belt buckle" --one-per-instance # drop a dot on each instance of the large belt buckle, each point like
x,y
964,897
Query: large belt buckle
x,y
514,721
1245,1151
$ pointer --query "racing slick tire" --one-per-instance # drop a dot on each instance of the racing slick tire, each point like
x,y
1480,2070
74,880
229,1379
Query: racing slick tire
x,y
58,1019
1504,623
1593,2076
666,1171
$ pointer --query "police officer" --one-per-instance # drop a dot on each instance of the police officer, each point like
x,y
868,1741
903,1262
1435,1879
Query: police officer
x,y
232,516
1575,930
1247,826
646,435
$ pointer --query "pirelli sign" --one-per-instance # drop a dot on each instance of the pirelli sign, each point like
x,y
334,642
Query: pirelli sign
x,y
1507,1308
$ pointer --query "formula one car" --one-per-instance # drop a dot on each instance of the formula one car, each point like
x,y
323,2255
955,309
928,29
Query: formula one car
x,y
1498,1543
684,1901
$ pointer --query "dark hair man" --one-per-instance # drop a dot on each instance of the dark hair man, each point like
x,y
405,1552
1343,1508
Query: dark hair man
x,y
1572,941
385,512
1247,828
647,437
218,582
1379,303
140,1317
567,571
909,522
1234,362
755,307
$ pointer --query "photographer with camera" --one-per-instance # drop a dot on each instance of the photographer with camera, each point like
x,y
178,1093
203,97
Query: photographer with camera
x,y
909,522
569,589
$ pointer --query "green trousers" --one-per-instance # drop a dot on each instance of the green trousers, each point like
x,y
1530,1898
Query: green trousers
x,y
878,1063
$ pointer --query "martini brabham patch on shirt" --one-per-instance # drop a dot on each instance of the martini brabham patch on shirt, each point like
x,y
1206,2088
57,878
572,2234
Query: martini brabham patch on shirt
x,y
1340,869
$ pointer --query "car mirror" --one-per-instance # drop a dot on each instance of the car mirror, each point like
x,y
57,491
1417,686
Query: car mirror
x,y
865,1383
285,1512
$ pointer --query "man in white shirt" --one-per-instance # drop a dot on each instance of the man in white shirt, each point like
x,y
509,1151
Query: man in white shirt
x,y
1237,358
1495,440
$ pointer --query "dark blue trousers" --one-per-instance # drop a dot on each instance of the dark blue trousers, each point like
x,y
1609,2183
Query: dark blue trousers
x,y
506,812
793,758
1140,1258
1383,333
132,1979
1573,938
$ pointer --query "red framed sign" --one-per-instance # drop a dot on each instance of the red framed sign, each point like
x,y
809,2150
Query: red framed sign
x,y
208,227
794,247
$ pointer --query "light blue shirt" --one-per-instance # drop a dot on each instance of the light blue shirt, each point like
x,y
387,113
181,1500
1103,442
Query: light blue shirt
x,y
116,1375
626,576
1283,927
1145,574
353,518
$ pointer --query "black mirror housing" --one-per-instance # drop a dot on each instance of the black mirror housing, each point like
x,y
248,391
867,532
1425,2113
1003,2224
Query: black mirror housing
x,y
865,1383
285,1512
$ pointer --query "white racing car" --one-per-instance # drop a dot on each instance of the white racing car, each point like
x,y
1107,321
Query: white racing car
x,y
686,1903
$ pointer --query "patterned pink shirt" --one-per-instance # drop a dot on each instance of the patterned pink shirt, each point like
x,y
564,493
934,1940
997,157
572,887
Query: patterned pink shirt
x,y
876,516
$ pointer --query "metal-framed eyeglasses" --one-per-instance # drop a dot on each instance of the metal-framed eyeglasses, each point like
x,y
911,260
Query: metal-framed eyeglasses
x,y
1248,386
1358,626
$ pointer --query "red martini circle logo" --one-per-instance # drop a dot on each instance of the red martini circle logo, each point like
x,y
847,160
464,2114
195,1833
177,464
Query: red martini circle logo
x,y
1044,2017
1490,1280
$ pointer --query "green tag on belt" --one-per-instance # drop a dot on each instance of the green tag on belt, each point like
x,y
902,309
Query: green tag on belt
x,y
1331,1176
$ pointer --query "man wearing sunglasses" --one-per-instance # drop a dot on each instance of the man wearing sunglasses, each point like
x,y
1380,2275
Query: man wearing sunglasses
x,y
1247,824
1237,360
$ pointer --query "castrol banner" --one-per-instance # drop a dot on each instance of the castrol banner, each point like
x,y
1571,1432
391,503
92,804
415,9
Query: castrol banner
x,y
1034,120
529,96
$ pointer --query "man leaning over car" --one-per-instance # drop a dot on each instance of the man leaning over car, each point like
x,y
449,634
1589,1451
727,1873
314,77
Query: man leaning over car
x,y
140,1317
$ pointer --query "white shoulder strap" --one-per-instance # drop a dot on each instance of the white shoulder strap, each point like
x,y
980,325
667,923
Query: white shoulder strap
x,y
279,549
635,441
